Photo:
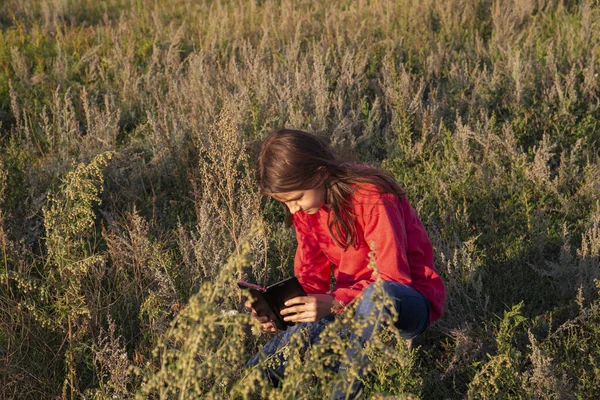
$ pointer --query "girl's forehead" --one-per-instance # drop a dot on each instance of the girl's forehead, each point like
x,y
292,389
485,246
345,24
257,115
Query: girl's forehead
x,y
286,196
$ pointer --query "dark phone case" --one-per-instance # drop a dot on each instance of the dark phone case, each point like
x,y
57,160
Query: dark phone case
x,y
270,301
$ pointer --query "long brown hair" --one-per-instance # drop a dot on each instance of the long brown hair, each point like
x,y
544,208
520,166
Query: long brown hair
x,y
291,160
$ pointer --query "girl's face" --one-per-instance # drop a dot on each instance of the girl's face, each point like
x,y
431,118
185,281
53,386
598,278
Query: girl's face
x,y
308,201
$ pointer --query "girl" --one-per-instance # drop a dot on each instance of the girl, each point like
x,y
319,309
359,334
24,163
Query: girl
x,y
340,211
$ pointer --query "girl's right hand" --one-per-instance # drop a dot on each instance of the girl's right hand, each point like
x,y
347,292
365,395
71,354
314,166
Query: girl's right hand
x,y
265,323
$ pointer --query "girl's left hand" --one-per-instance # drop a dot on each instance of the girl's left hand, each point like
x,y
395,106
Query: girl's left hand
x,y
308,308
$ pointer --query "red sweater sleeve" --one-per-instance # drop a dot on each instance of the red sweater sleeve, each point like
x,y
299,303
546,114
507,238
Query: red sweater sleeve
x,y
311,265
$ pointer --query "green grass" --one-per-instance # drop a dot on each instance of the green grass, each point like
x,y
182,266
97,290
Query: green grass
x,y
486,112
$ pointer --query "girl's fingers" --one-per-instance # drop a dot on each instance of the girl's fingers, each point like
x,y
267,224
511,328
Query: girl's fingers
x,y
300,300
248,305
305,316
291,310
299,309
268,327
262,319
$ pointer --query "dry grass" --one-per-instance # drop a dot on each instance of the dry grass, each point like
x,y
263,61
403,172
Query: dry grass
x,y
117,273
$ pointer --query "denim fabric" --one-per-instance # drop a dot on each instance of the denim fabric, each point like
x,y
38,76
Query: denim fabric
x,y
310,335
411,307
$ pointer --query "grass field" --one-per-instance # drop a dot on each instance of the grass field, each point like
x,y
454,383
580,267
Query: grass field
x,y
129,207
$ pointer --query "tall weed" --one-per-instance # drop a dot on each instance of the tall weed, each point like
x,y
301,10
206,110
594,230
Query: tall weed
x,y
485,111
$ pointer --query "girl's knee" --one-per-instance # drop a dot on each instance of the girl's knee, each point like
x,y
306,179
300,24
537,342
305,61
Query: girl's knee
x,y
373,288
368,292
371,301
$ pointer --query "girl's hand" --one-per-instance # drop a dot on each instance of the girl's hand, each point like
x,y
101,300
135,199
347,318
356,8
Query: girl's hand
x,y
265,323
309,308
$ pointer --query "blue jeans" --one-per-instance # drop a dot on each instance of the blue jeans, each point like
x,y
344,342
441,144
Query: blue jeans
x,y
411,308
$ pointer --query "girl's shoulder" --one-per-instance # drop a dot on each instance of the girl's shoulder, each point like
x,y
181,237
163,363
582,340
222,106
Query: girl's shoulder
x,y
367,193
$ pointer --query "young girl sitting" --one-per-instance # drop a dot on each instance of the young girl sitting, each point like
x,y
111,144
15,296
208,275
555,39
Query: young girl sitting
x,y
340,211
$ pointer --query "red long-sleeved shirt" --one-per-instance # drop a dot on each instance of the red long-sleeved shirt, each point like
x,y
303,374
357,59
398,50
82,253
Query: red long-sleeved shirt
x,y
403,252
